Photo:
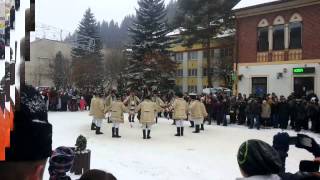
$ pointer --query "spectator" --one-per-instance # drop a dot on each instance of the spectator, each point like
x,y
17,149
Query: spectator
x,y
265,112
61,162
95,174
31,140
284,110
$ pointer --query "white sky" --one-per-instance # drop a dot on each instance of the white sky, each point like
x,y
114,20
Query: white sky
x,y
248,3
66,14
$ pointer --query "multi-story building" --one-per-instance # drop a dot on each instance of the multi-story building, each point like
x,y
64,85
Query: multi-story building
x,y
191,74
42,54
278,45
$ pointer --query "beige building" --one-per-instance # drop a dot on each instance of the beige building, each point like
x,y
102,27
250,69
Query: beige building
x,y
42,54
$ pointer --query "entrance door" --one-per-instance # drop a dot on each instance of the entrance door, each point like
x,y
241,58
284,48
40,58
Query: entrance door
x,y
259,86
302,85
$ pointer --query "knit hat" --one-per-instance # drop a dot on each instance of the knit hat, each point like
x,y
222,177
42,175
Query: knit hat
x,y
256,157
31,138
61,162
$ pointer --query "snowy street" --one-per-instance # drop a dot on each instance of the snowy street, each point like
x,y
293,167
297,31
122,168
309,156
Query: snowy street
x,y
210,155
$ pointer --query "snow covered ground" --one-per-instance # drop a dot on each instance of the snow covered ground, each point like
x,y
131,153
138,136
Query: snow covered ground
x,y
210,155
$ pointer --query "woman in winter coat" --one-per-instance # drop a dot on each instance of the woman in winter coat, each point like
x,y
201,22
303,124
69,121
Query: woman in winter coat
x,y
265,112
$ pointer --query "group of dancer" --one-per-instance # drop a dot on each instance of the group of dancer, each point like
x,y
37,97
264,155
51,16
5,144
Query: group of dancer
x,y
146,110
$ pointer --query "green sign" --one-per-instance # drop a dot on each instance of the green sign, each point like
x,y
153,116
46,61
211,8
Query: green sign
x,y
304,70
298,70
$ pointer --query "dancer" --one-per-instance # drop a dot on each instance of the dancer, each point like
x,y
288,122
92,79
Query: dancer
x,y
180,111
156,98
148,111
92,104
132,101
117,109
109,99
197,112
98,112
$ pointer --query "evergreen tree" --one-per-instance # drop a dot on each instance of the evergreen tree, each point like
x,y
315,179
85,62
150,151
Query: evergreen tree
x,y
202,20
87,68
149,63
60,71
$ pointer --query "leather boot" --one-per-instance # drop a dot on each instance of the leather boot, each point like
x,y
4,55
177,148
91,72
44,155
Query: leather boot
x,y
117,133
144,134
148,135
178,131
93,126
181,132
192,124
113,132
202,128
197,130
98,131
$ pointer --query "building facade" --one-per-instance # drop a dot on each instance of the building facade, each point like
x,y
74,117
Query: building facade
x,y
278,48
192,69
42,54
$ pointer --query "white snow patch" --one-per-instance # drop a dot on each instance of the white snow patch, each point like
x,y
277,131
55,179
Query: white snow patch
x,y
210,155
248,3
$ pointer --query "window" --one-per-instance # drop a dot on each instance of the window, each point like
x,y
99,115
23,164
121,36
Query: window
x,y
295,29
259,86
226,52
192,72
179,56
278,37
193,55
179,72
204,71
263,43
192,89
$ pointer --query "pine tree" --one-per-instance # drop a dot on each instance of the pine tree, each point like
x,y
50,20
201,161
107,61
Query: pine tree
x,y
87,68
149,63
202,20
60,71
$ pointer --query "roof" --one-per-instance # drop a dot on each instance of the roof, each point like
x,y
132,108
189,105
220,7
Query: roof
x,y
250,3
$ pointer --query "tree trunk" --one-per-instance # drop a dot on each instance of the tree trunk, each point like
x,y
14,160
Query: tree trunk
x,y
209,75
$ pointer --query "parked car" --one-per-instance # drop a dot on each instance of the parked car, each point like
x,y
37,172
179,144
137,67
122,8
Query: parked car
x,y
215,90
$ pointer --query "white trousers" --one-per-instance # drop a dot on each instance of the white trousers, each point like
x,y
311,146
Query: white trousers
x,y
115,124
179,123
146,126
197,121
98,122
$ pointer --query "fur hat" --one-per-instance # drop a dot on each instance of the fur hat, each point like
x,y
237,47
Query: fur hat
x,y
31,138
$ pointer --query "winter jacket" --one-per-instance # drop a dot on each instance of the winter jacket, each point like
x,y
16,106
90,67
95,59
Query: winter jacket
x,y
158,101
148,111
83,104
197,110
92,103
117,109
261,177
132,102
284,109
109,99
98,109
265,110
180,109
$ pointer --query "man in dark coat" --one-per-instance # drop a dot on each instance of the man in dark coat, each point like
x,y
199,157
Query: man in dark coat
x,y
284,111
313,113
300,114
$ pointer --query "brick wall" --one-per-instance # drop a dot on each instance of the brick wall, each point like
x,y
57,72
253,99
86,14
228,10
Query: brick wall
x,y
247,32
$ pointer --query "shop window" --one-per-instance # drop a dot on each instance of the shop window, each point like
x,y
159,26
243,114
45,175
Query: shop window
x,y
192,89
259,86
278,37
295,35
192,72
263,43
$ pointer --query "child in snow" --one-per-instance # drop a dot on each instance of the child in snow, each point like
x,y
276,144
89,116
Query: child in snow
x,y
83,104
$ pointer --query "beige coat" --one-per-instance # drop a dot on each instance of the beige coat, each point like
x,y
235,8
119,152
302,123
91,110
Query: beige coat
x,y
117,109
98,109
148,111
92,105
158,101
109,99
265,110
132,102
180,109
197,110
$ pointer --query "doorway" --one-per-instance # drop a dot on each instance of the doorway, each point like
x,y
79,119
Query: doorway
x,y
302,85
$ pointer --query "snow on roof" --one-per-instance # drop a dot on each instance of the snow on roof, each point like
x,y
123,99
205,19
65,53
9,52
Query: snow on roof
x,y
249,3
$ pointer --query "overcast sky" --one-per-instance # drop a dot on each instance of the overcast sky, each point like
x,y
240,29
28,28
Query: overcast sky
x,y
66,14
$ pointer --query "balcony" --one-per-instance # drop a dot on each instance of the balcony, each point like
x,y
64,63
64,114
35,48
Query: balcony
x,y
278,56
262,56
295,54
